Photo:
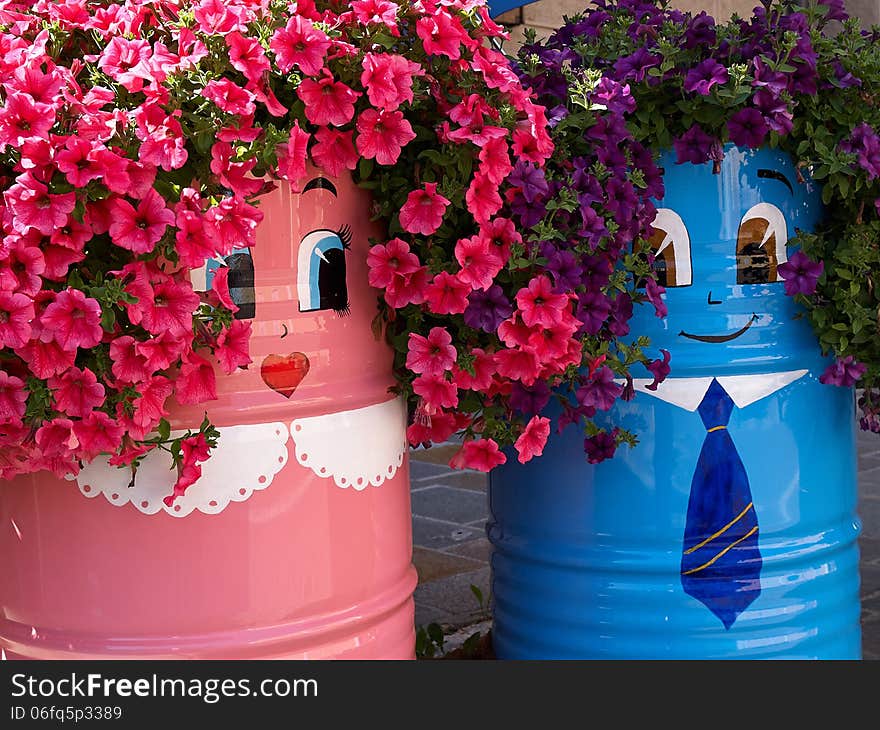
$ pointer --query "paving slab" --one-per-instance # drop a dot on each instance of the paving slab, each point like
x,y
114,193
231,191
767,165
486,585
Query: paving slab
x,y
447,503
436,534
433,564
453,594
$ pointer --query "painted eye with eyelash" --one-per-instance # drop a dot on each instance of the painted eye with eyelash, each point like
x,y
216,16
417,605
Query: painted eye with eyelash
x,y
240,281
760,245
671,246
321,272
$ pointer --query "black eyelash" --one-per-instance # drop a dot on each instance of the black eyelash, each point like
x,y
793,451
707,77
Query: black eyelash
x,y
345,235
343,311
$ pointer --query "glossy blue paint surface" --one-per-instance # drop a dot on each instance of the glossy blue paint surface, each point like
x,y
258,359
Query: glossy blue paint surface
x,y
587,559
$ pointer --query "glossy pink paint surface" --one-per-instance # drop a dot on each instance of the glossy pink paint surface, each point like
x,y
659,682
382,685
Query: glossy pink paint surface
x,y
300,569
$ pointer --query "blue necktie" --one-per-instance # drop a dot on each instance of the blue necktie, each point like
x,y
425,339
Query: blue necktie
x,y
721,563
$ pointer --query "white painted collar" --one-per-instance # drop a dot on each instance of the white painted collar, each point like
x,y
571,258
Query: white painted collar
x,y
744,390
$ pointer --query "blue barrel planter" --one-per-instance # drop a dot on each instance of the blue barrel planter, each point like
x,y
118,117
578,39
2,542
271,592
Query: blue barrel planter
x,y
731,530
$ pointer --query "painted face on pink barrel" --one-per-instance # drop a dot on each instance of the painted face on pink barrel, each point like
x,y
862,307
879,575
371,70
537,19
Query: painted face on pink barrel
x,y
311,308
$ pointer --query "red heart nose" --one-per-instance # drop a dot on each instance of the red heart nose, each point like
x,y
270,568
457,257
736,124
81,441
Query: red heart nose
x,y
283,373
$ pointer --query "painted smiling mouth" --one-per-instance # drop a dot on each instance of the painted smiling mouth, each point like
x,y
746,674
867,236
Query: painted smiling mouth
x,y
720,338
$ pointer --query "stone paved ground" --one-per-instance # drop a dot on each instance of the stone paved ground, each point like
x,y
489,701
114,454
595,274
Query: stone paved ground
x,y
451,553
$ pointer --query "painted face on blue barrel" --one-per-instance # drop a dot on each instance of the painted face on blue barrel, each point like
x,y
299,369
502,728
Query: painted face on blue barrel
x,y
719,241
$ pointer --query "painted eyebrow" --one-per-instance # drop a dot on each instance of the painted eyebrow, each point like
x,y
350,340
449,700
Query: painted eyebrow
x,y
321,183
776,175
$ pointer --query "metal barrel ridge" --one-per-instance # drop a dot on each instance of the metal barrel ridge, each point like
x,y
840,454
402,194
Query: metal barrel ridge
x,y
730,530
296,542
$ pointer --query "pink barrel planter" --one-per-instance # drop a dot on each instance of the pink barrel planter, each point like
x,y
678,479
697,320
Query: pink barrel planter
x,y
296,542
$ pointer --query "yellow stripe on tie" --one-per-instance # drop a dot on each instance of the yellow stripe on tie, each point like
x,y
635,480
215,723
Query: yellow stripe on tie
x,y
729,547
717,428
722,530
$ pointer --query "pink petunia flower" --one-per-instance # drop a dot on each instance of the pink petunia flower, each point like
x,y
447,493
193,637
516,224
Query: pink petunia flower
x,y
76,161
407,288
170,309
479,263
22,269
518,364
22,118
232,350
196,382
193,449
293,156
128,364
33,206
247,55
484,368
447,294
328,102
441,35
220,289
532,440
431,355
423,210
382,135
149,407
377,12
13,399
436,390
233,224
125,61
139,229
56,438
162,140
72,235
539,305
160,352
16,313
97,433
482,198
435,428
479,454
495,160
229,97
388,79
300,44
77,392
334,151
216,17
45,359
387,260
74,320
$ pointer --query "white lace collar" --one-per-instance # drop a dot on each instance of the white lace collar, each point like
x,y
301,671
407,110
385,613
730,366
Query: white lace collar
x,y
355,448
744,390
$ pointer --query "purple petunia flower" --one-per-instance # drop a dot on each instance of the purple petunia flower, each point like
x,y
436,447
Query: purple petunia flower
x,y
487,309
530,180
601,446
593,228
530,400
659,369
593,310
845,372
622,314
654,292
700,31
776,112
636,65
565,269
801,274
747,128
600,391
704,76
614,96
693,146
774,81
